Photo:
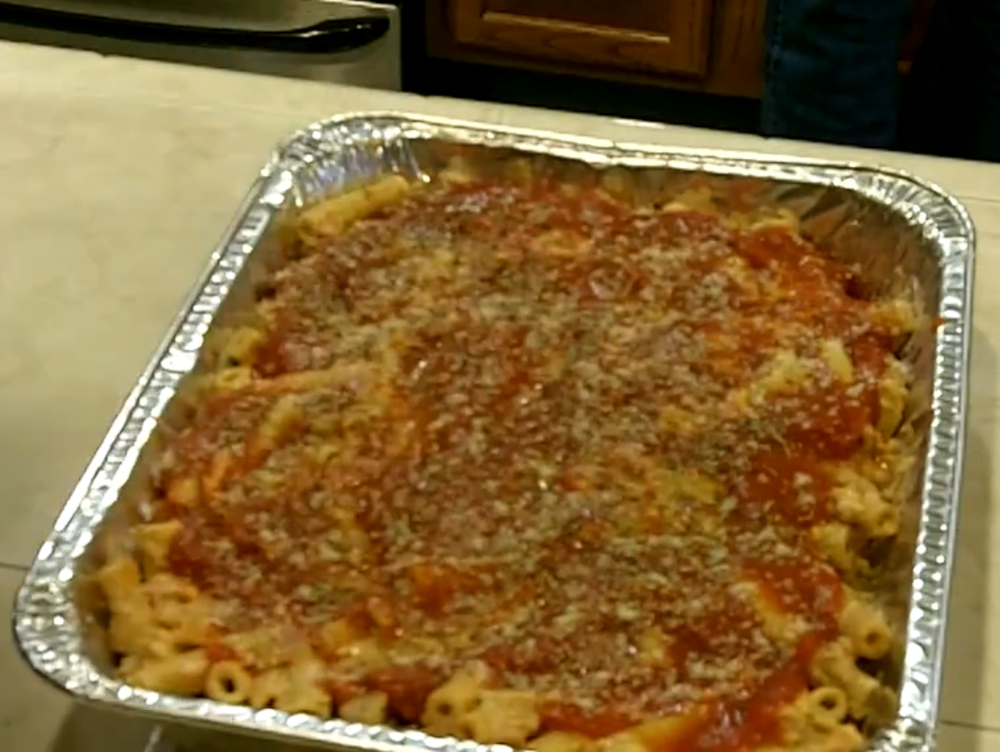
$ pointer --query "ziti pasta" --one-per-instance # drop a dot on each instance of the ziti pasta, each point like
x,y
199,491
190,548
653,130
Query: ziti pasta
x,y
529,463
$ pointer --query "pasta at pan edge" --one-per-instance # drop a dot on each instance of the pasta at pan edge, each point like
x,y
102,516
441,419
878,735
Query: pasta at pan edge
x,y
525,462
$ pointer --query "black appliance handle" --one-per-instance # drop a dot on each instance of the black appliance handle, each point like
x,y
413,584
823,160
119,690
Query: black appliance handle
x,y
329,36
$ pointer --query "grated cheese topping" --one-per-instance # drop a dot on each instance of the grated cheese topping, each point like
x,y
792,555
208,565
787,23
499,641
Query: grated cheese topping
x,y
581,441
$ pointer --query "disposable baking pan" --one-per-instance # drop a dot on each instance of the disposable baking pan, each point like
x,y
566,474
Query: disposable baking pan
x,y
908,238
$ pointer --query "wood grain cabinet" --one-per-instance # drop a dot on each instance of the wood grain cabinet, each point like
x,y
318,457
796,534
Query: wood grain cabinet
x,y
708,45
658,36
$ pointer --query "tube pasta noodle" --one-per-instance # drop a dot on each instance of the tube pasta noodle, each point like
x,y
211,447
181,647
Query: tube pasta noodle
x,y
834,542
370,708
228,681
818,720
303,692
562,741
178,674
268,689
838,360
503,716
332,216
184,491
866,628
892,396
532,463
240,346
231,379
121,581
825,707
450,705
859,501
153,541
781,220
836,666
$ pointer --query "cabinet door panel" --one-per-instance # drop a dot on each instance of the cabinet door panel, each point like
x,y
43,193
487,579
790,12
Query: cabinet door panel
x,y
629,14
668,36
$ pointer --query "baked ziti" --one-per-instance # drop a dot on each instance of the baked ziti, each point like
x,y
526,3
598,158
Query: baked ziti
x,y
532,463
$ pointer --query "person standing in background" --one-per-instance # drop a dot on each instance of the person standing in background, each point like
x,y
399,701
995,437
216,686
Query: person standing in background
x,y
830,70
831,75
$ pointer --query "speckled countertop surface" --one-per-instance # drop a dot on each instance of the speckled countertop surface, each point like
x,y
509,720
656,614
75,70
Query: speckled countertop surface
x,y
118,178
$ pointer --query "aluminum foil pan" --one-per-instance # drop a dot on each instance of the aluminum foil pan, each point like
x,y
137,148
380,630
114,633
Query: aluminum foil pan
x,y
908,237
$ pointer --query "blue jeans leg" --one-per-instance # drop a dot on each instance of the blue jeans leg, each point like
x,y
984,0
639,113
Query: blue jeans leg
x,y
831,70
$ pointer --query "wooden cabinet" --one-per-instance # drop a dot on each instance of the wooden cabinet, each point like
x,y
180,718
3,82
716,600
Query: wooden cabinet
x,y
714,46
708,45
662,36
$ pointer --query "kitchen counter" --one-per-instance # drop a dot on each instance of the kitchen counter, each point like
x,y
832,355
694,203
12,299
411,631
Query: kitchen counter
x,y
118,178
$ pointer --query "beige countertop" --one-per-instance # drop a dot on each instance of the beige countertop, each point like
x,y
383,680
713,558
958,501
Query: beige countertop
x,y
118,178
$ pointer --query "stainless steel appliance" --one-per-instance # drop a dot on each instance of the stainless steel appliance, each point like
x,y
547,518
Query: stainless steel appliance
x,y
343,41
